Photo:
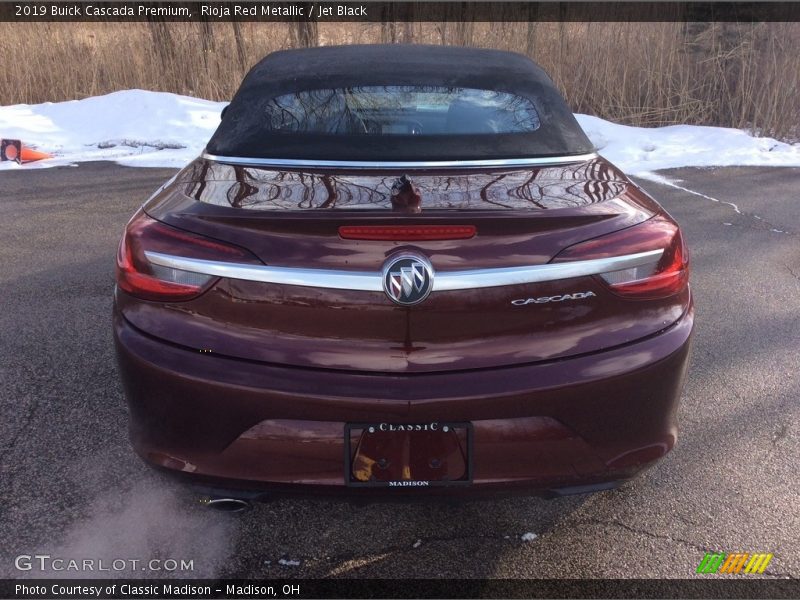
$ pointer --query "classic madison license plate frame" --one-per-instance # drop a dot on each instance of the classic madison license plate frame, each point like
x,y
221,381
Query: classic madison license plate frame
x,y
350,450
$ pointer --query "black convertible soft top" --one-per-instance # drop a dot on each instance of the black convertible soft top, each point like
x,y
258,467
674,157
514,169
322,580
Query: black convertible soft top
x,y
246,131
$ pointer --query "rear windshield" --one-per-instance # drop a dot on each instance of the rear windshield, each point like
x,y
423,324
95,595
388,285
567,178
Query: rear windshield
x,y
397,103
400,110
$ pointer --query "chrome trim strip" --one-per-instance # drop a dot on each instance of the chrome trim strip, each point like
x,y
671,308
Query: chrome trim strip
x,y
372,281
374,165
364,281
483,278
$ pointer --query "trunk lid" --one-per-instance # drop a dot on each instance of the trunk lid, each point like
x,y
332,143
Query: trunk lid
x,y
522,217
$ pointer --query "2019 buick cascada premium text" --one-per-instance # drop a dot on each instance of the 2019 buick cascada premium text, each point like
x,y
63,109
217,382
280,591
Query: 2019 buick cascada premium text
x,y
403,271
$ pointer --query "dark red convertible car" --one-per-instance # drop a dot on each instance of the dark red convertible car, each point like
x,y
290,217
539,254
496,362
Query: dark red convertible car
x,y
403,271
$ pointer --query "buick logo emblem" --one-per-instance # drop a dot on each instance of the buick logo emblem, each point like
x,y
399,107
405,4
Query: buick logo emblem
x,y
407,279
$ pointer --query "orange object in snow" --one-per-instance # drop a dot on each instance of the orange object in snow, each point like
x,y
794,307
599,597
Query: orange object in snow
x,y
14,150
28,155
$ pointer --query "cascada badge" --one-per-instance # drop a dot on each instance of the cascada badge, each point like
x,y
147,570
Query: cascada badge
x,y
558,298
407,279
734,563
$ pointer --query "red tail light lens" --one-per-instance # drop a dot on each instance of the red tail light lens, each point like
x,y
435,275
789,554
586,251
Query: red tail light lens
x,y
143,279
665,276
406,232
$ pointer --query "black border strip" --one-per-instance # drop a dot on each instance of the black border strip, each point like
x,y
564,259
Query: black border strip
x,y
401,11
733,586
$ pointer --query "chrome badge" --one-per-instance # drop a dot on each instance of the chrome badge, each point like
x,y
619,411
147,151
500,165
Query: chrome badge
x,y
559,298
407,279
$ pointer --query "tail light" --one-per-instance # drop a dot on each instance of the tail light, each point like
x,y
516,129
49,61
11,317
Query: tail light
x,y
143,279
665,276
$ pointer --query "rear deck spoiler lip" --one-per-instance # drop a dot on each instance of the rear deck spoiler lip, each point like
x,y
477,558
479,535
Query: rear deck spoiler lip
x,y
372,281
292,163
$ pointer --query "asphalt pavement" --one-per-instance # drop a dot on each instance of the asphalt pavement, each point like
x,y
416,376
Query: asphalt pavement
x,y
72,488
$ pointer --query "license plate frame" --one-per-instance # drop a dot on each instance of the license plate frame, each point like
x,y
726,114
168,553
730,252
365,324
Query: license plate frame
x,y
351,447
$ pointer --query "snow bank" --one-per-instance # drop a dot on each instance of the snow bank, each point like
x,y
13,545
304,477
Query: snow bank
x,y
134,127
643,149
157,129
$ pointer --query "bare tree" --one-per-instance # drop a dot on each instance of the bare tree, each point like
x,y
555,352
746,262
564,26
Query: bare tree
x,y
466,26
530,39
388,31
206,40
162,40
305,34
241,52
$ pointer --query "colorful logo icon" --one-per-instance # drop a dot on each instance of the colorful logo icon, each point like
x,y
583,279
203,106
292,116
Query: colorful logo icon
x,y
741,562
408,279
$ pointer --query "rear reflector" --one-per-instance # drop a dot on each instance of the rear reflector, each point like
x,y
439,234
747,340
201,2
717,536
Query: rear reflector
x,y
665,276
141,278
406,232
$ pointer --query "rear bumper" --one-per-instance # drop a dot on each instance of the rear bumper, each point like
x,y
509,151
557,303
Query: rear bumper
x,y
565,426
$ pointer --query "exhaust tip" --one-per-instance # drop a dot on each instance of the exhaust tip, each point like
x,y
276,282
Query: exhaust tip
x,y
228,505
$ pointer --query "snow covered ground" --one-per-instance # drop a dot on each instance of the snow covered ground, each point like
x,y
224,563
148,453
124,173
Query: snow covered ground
x,y
135,128
155,129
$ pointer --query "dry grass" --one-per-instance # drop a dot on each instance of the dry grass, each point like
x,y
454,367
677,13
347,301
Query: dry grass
x,y
639,73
